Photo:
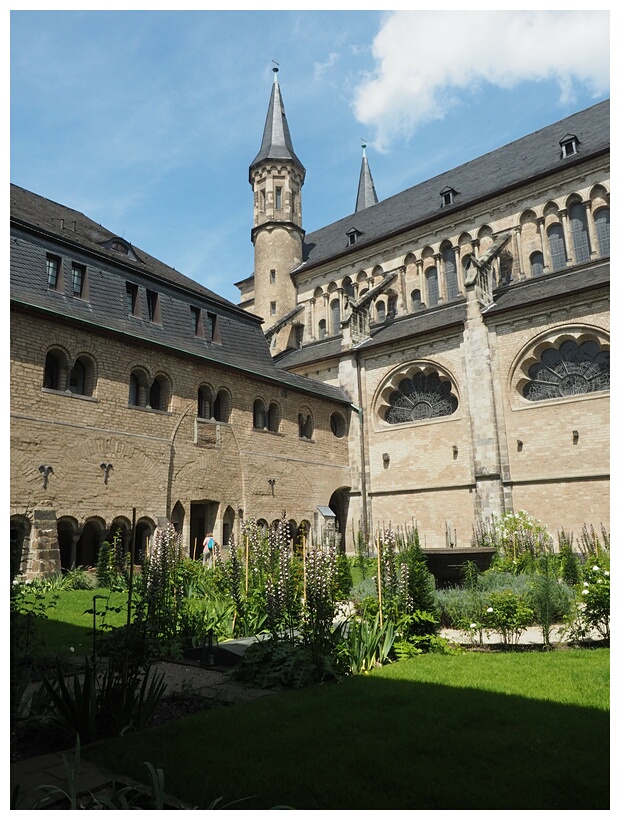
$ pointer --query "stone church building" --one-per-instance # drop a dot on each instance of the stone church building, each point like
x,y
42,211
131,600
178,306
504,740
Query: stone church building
x,y
440,357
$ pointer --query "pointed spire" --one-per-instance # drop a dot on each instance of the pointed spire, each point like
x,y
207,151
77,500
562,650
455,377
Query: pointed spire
x,y
277,143
366,194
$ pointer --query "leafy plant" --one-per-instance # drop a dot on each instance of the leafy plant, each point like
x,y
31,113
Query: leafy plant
x,y
596,596
366,644
281,663
549,598
507,614
102,705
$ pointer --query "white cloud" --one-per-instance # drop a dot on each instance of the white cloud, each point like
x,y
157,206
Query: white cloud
x,y
321,68
427,61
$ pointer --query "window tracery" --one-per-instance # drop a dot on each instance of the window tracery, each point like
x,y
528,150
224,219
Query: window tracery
x,y
568,370
425,395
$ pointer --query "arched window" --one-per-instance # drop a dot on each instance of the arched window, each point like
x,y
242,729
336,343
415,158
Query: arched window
x,y
205,402
347,286
259,415
416,298
537,264
601,220
579,228
77,380
134,391
425,395
51,373
568,370
155,395
322,329
335,313
392,309
161,393
432,287
557,247
222,406
306,425
380,311
338,425
452,283
274,417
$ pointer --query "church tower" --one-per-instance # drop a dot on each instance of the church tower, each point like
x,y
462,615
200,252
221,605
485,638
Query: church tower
x,y
276,177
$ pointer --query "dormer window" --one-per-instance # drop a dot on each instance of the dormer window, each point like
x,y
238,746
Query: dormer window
x,y
569,145
119,245
353,236
447,197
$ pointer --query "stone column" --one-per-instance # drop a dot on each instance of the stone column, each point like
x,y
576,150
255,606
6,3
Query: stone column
x,y
328,321
459,269
544,242
568,238
422,279
595,250
517,230
402,296
313,335
441,278
44,558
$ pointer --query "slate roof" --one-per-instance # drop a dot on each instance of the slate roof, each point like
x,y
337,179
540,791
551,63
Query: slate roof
x,y
512,165
366,194
277,142
37,229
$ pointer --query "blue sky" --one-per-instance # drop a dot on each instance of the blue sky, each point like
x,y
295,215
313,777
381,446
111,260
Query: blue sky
x,y
147,121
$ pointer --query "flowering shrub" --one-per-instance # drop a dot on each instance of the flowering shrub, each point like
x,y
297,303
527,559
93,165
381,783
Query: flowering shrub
x,y
517,538
507,614
596,597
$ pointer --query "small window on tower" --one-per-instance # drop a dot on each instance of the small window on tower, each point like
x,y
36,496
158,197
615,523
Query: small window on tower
x,y
272,308
272,276
278,198
262,200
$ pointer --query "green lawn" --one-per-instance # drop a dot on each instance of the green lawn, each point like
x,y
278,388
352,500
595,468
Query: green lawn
x,y
68,624
523,730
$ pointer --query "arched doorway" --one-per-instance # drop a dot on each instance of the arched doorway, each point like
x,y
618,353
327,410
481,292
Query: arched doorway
x,y
67,529
228,522
178,517
339,504
89,543
144,535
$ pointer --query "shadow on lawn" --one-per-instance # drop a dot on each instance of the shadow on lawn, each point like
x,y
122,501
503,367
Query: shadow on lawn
x,y
376,743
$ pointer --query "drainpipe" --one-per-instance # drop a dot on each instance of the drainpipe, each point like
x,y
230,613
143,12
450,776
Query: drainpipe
x,y
360,413
171,460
